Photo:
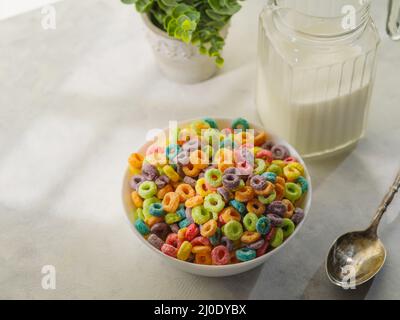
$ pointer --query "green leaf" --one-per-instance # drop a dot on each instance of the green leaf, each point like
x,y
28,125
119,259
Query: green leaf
x,y
144,6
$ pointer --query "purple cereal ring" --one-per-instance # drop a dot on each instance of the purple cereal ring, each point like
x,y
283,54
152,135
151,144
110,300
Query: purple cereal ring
x,y
231,170
135,181
276,221
268,145
227,243
161,230
149,172
155,241
225,193
256,245
183,158
190,181
162,181
278,208
188,213
230,181
280,152
191,145
258,183
174,227
298,216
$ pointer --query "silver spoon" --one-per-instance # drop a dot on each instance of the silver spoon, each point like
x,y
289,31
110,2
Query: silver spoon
x,y
357,257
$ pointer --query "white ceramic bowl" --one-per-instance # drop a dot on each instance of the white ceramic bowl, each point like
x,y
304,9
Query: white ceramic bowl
x,y
216,271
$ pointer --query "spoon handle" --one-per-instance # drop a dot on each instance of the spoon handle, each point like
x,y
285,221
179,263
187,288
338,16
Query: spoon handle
x,y
385,204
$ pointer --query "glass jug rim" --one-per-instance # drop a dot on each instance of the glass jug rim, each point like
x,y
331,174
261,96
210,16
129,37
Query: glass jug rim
x,y
361,14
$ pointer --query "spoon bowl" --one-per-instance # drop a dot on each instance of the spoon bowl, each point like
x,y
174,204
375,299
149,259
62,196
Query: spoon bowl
x,y
356,257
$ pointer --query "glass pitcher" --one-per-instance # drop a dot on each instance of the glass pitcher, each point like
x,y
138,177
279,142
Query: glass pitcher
x,y
316,69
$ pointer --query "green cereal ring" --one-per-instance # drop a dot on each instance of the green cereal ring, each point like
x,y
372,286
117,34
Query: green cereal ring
x,y
269,199
250,221
147,189
171,218
292,191
233,230
138,214
277,239
288,227
240,123
146,206
259,166
214,203
275,169
212,136
200,215
213,177
208,150
213,124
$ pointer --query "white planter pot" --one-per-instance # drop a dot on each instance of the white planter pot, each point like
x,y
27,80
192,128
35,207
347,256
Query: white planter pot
x,y
177,60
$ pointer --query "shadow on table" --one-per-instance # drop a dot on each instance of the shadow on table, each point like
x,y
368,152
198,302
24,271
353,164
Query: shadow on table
x,y
320,288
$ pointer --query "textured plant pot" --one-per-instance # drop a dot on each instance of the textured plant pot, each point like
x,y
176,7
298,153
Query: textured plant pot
x,y
177,60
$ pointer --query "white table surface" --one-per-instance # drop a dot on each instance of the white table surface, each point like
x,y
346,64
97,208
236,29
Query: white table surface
x,y
76,101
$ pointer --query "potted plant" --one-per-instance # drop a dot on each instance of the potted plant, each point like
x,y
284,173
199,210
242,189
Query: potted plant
x,y
187,36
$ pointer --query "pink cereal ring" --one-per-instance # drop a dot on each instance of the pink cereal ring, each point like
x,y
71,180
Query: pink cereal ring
x,y
172,240
169,250
265,155
245,168
220,255
291,159
263,249
200,241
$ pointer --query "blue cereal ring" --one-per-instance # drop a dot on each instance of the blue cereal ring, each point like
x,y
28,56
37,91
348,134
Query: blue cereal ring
x,y
245,254
184,223
156,209
270,176
263,225
240,207
216,238
181,211
240,122
213,124
172,152
303,184
142,227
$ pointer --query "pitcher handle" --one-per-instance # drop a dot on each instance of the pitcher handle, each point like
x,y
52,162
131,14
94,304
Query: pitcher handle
x,y
393,22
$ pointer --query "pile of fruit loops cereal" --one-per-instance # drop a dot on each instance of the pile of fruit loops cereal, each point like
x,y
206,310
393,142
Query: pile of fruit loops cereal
x,y
217,197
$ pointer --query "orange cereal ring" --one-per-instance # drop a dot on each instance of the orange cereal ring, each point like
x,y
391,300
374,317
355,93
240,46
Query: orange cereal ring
x,y
194,201
223,166
163,191
201,249
280,192
256,207
260,139
209,228
203,258
280,180
185,192
290,208
171,202
269,188
182,234
151,221
136,199
250,237
229,214
245,194
244,137
175,184
136,160
199,159
191,170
